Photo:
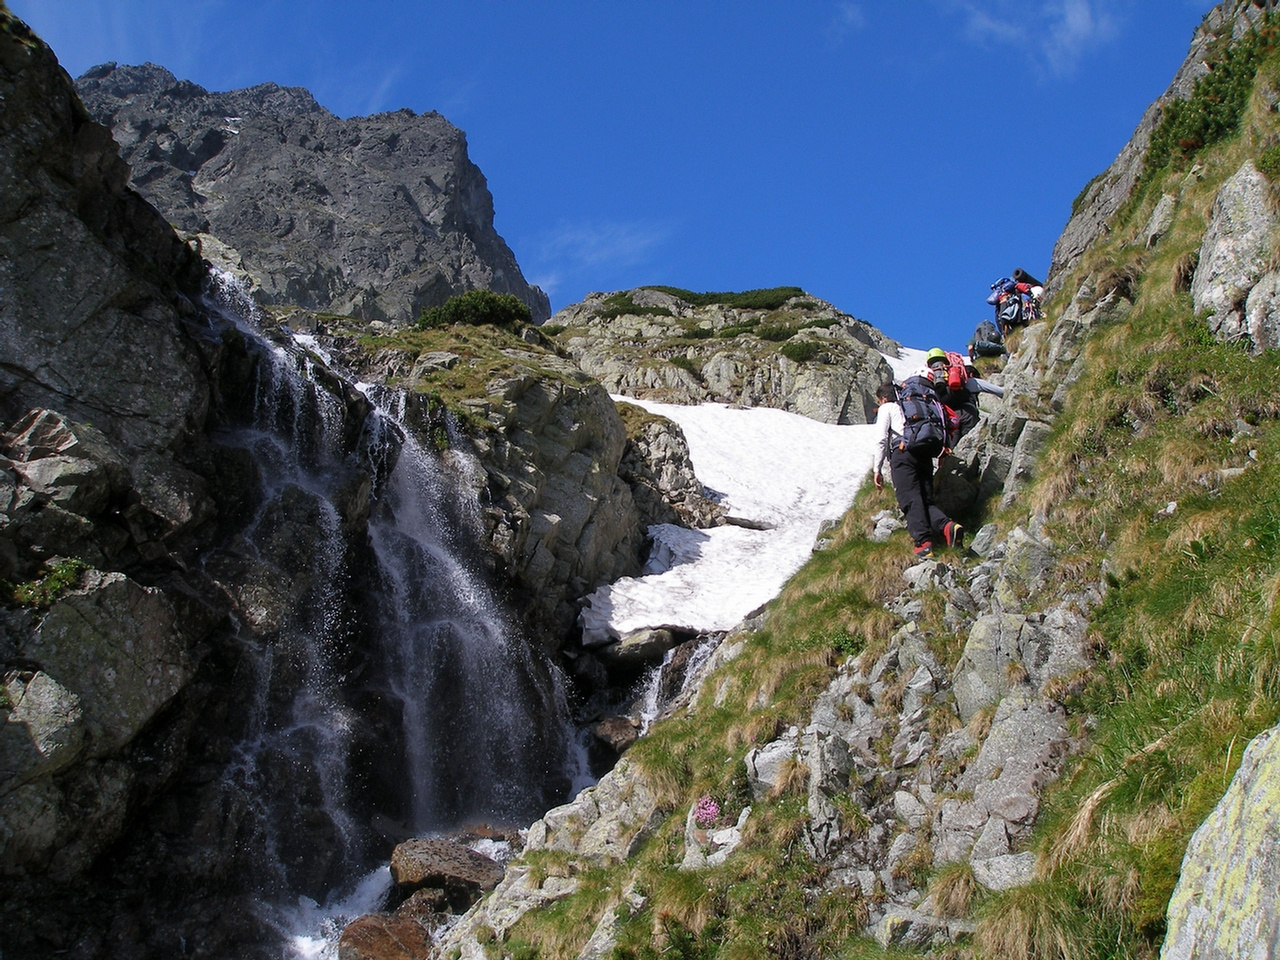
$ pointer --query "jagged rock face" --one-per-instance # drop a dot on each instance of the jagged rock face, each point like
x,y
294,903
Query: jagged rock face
x,y
88,272
1110,189
677,355
558,516
1225,904
94,320
658,469
1233,283
373,217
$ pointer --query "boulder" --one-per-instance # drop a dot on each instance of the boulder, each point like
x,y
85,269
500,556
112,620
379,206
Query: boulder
x,y
384,937
460,872
657,467
607,821
1225,905
1236,252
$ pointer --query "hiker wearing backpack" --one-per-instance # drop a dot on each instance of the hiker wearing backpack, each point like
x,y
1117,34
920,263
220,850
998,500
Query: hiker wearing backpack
x,y
987,342
957,386
911,430
1016,299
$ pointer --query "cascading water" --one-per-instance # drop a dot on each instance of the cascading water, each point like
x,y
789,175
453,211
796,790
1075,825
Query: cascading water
x,y
391,687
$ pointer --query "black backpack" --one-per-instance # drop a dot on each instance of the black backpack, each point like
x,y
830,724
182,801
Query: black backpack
x,y
924,433
1009,312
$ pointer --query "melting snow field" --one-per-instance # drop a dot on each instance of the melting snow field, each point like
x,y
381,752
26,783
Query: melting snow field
x,y
767,466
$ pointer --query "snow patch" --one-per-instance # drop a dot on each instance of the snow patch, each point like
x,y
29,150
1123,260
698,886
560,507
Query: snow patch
x,y
771,469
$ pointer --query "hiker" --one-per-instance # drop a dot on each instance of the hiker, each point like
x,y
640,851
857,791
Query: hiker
x,y
987,342
910,431
1016,299
957,386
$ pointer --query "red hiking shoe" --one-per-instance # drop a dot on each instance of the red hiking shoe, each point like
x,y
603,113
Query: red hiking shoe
x,y
924,550
953,533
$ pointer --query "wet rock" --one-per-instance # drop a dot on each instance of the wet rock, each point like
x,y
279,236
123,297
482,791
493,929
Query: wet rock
x,y
617,733
384,937
634,653
433,862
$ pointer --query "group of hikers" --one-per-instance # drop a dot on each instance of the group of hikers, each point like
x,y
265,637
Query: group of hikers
x,y
924,417
1017,303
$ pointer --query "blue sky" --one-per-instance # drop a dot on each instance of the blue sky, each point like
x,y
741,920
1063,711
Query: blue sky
x,y
892,157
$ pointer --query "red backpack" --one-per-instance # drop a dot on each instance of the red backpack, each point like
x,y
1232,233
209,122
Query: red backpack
x,y
957,371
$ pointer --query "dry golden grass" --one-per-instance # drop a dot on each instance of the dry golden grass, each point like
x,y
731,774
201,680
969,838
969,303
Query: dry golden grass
x,y
1031,923
1185,462
980,723
1077,834
1149,824
793,780
1118,891
1200,525
1015,672
954,890
685,898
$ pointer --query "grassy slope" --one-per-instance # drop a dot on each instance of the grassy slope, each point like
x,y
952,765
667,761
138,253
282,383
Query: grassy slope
x,y
1188,660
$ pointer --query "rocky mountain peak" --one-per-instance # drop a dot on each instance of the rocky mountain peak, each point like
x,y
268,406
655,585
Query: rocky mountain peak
x,y
293,195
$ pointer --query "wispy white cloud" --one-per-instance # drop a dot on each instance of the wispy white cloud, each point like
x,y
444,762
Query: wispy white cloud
x,y
583,245
376,101
1054,33
848,18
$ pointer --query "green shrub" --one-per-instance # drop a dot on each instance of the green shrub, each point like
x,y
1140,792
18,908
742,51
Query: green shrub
x,y
684,363
775,332
42,592
1212,112
770,298
800,351
552,329
477,307
1269,162
621,305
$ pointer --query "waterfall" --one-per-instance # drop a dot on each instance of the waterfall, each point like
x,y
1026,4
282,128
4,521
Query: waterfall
x,y
384,681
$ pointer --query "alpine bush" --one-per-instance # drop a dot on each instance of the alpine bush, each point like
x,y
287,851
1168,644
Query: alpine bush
x,y
1212,112
800,351
477,307
770,298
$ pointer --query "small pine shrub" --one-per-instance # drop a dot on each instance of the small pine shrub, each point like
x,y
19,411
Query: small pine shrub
x,y
775,332
800,351
1212,113
684,363
477,307
770,298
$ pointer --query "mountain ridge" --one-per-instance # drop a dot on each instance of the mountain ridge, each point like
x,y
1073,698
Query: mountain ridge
x,y
295,193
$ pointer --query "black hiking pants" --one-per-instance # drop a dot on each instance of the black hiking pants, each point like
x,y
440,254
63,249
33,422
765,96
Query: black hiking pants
x,y
913,486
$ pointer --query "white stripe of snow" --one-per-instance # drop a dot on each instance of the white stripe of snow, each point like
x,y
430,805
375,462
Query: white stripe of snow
x,y
905,365
769,465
